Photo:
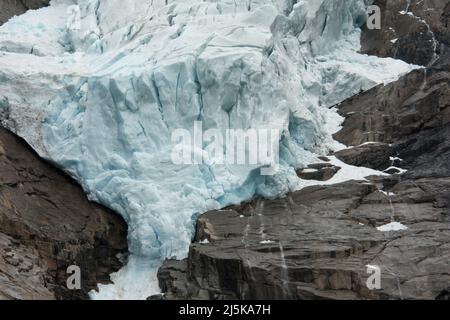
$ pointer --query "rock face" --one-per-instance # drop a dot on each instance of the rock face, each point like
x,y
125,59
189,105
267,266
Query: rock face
x,y
46,225
10,8
317,243
412,115
416,102
414,31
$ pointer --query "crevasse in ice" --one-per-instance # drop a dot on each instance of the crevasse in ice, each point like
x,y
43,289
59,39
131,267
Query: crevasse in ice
x,y
98,86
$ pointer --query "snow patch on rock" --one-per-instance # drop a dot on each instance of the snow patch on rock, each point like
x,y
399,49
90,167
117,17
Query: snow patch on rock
x,y
393,226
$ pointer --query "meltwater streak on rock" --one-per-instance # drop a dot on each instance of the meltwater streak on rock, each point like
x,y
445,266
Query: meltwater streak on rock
x,y
102,101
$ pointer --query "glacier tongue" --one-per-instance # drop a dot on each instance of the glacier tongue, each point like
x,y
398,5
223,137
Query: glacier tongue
x,y
98,87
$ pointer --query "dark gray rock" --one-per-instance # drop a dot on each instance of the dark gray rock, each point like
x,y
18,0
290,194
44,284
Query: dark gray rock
x,y
323,158
316,243
444,295
46,225
418,37
416,102
318,171
426,153
393,171
372,155
22,274
412,115
172,279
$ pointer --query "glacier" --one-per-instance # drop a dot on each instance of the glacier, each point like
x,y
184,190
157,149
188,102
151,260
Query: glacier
x,y
98,86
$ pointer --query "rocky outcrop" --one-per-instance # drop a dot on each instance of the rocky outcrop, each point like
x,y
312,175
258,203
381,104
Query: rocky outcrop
x,y
10,8
412,115
418,101
318,242
46,225
375,155
414,31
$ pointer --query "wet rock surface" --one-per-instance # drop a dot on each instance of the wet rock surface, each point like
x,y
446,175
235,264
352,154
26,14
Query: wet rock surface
x,y
10,8
316,243
46,225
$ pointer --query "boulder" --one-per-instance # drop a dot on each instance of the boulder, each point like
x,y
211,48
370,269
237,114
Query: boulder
x,y
375,155
318,171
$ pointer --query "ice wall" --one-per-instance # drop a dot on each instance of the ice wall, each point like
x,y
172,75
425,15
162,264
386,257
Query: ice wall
x,y
98,87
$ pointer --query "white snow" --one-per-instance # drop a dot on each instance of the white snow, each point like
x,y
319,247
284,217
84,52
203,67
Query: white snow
x,y
98,89
267,242
387,193
400,170
309,170
342,146
393,226
346,173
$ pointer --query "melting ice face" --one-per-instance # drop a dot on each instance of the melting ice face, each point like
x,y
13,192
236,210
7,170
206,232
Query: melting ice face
x,y
99,86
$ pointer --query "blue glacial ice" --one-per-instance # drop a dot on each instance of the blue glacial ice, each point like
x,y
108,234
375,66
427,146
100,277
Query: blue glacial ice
x,y
98,87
